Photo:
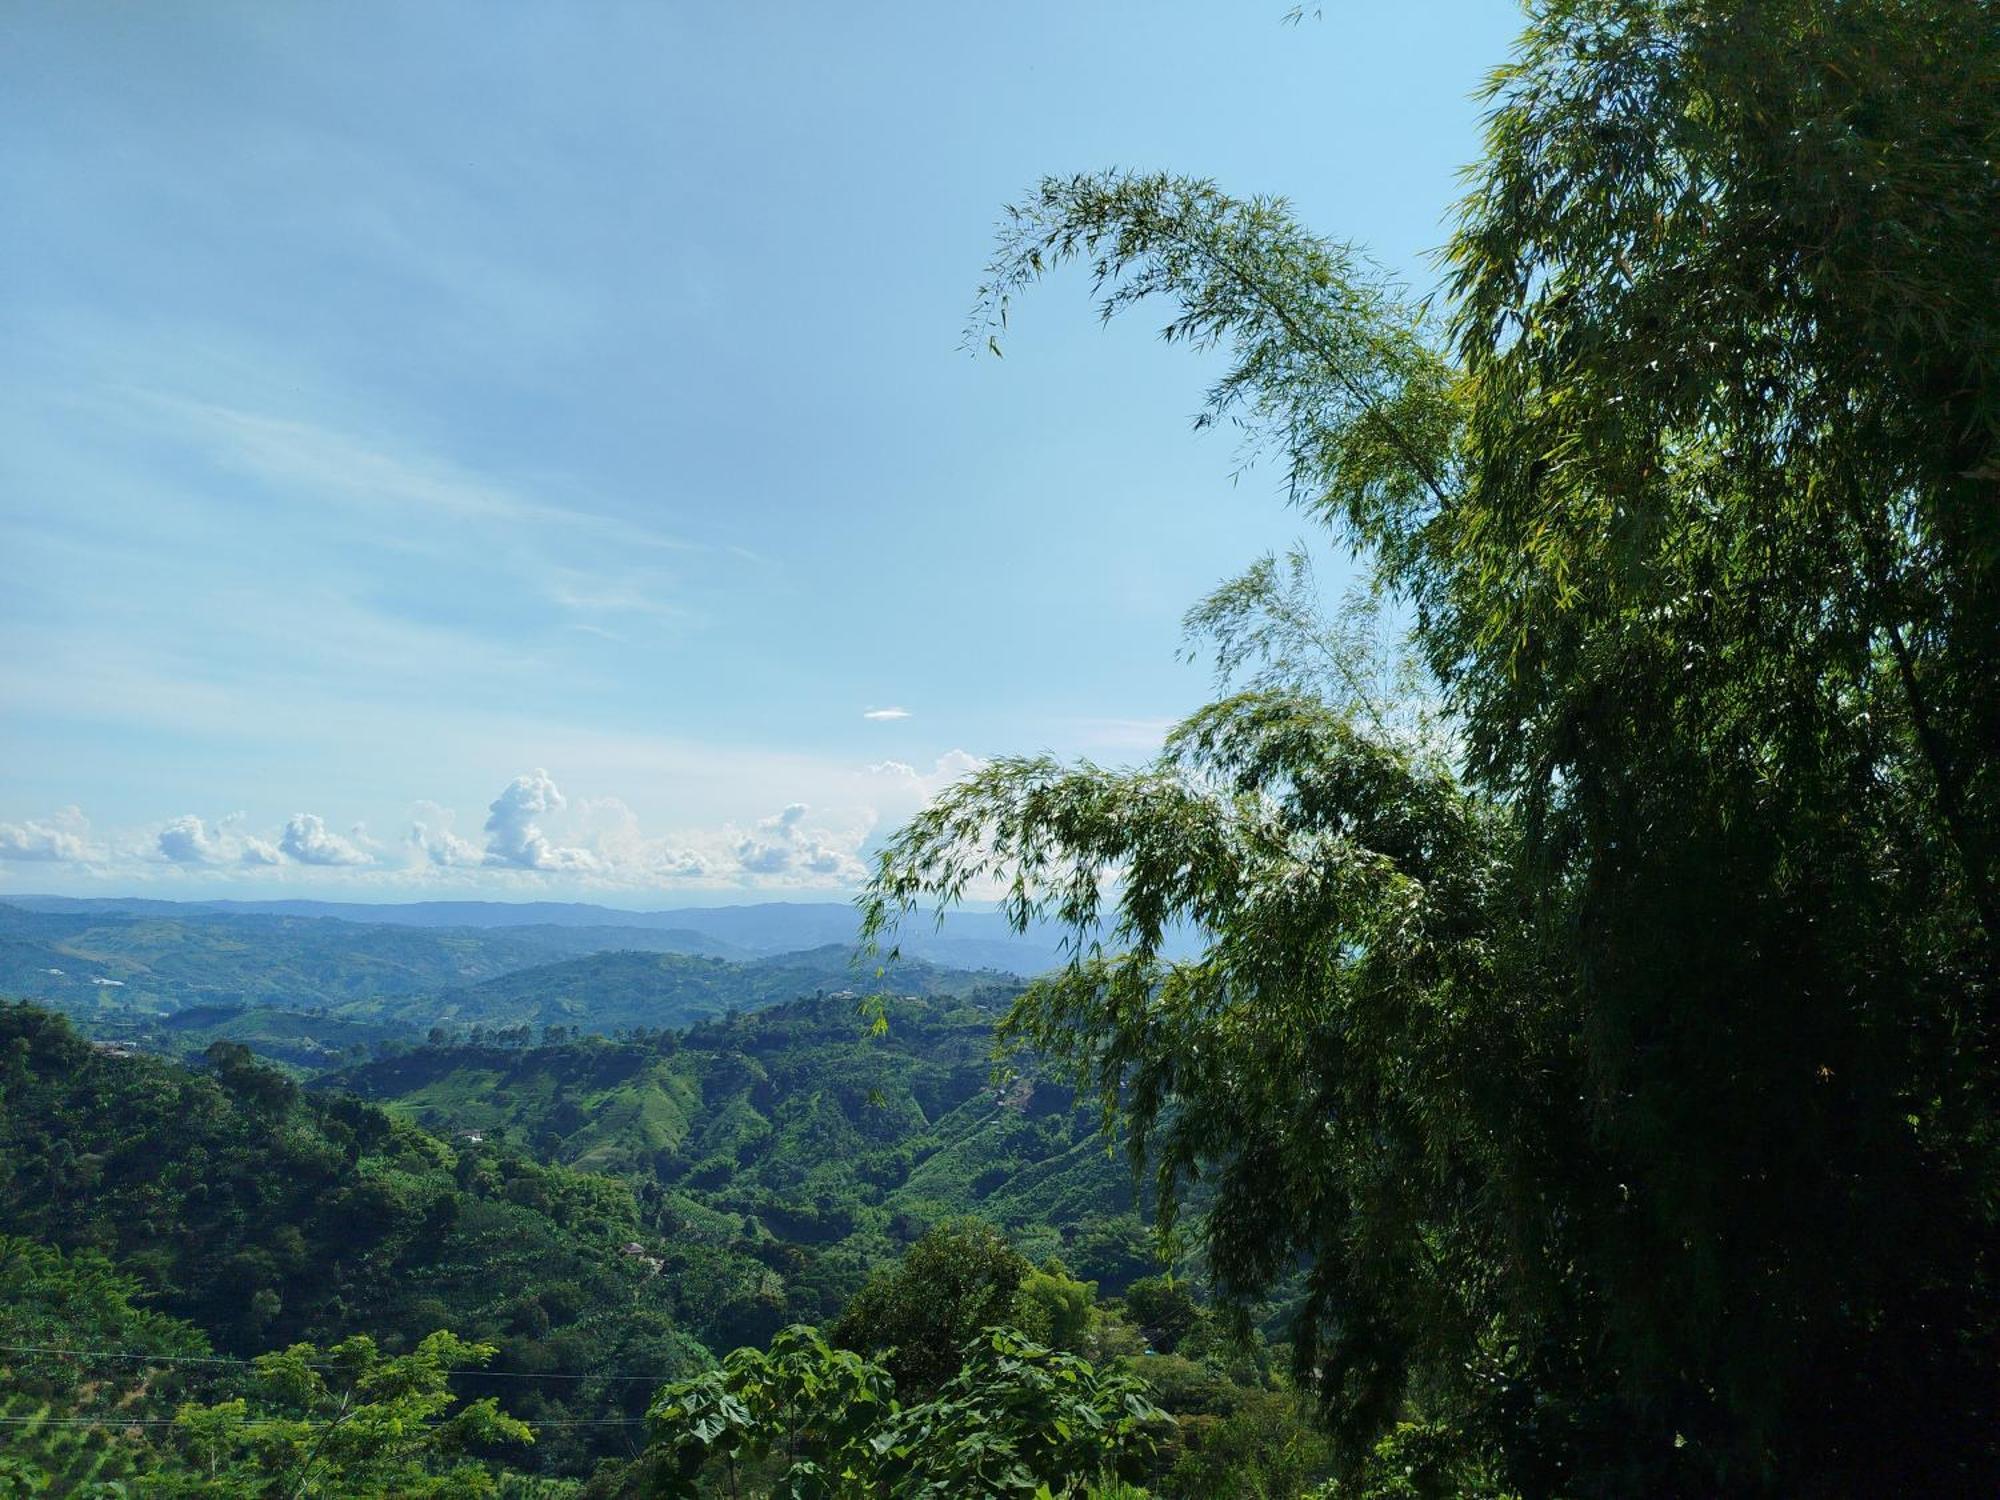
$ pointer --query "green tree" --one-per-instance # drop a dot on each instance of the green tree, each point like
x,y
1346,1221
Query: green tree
x,y
346,1421
1164,1307
1054,1308
1267,1448
807,1421
1604,1026
802,1409
1018,1418
917,1315
63,1414
1418,1461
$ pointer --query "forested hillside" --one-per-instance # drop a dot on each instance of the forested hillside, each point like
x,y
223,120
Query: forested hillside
x,y
263,1216
593,1220
800,1127
316,992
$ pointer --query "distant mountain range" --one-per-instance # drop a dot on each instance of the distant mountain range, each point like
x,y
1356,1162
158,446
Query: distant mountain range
x,y
306,989
103,960
968,940
613,992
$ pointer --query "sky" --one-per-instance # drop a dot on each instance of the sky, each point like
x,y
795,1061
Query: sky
x,y
527,451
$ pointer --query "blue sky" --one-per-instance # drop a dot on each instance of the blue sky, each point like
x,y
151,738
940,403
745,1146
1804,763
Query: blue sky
x,y
524,450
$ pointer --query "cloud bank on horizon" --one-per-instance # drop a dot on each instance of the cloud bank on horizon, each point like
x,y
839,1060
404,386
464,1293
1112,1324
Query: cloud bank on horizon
x,y
534,836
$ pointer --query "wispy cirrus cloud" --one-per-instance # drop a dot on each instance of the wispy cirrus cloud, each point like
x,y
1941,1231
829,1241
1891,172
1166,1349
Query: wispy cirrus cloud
x,y
374,472
885,715
351,483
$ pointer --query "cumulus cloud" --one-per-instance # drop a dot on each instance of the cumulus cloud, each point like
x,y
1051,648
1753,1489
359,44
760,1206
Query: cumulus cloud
x,y
949,767
433,837
611,830
784,845
514,835
185,841
188,841
680,864
62,838
533,834
308,840
886,713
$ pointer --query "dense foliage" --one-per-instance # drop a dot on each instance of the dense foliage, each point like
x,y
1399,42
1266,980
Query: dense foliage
x,y
101,1391
808,1421
1608,1028
264,1215
919,1315
345,1421
783,1154
105,1399
59,1412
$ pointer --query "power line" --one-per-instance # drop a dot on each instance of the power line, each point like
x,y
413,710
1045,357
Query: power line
x,y
219,1359
285,1423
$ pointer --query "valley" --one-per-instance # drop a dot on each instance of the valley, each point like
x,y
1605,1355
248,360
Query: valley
x,y
285,1127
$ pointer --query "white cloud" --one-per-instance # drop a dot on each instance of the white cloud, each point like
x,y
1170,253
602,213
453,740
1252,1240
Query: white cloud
x,y
784,845
63,838
185,841
1143,736
537,838
433,837
886,713
610,829
189,842
949,767
637,593
371,471
514,836
308,840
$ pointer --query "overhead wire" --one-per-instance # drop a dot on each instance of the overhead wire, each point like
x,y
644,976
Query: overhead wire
x,y
110,1423
220,1359
123,1422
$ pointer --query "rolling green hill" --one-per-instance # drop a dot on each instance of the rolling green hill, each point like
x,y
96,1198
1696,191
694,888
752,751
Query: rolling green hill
x,y
108,966
263,1215
799,1128
313,992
